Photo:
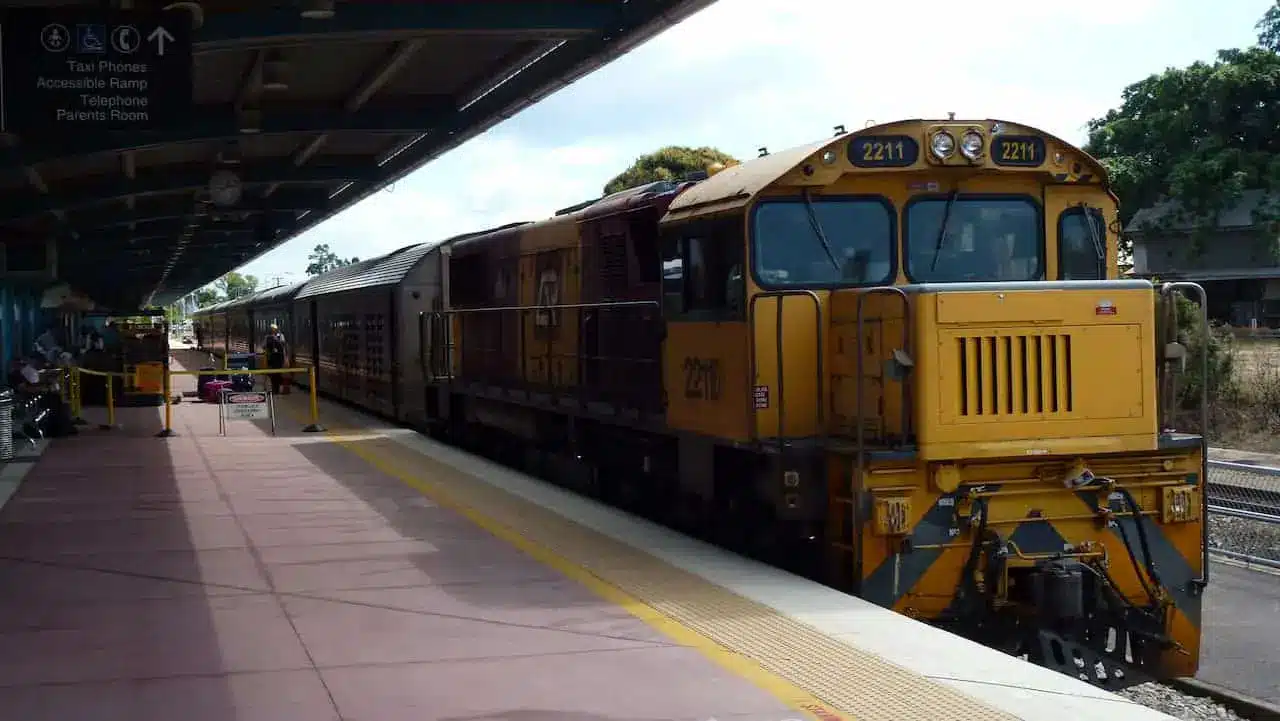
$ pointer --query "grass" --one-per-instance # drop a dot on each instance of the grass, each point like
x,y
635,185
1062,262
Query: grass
x,y
1245,413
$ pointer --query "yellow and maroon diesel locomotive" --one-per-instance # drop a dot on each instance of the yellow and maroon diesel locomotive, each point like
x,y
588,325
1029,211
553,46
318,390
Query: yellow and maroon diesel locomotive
x,y
900,359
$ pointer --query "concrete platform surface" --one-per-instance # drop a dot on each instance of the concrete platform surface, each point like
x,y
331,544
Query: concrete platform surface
x,y
260,578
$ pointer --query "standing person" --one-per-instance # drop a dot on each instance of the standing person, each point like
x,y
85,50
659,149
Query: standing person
x,y
274,345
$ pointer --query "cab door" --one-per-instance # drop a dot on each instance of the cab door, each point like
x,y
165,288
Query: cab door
x,y
1080,241
705,351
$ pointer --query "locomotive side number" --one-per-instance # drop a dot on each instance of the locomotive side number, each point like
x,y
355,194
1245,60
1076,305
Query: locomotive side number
x,y
702,378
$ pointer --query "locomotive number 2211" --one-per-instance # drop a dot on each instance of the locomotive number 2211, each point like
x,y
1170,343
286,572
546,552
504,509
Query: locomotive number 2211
x,y
702,378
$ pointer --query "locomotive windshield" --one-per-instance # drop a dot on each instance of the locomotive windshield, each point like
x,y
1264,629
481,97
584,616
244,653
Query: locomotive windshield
x,y
985,238
794,242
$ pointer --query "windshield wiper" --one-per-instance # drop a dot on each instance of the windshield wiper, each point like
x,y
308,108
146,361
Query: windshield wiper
x,y
1099,245
942,231
817,230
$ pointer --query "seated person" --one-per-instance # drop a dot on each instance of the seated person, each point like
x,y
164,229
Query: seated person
x,y
24,378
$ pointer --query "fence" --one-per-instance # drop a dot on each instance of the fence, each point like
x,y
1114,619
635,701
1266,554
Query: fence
x,y
1244,507
71,393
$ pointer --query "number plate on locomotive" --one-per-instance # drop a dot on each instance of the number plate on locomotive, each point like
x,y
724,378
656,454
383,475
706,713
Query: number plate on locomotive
x,y
884,151
1019,150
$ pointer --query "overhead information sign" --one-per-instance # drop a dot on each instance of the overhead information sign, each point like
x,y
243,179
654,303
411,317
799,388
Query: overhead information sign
x,y
68,71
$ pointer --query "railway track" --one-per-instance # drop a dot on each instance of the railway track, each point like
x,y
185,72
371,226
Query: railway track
x,y
1224,500
1244,489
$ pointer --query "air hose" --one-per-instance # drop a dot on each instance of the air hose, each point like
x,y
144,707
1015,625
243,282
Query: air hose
x,y
1148,560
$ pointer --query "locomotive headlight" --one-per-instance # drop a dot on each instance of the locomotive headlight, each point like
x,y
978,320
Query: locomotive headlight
x,y
943,144
829,157
971,145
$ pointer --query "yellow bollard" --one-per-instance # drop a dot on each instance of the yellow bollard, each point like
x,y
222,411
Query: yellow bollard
x,y
111,403
167,432
314,426
76,401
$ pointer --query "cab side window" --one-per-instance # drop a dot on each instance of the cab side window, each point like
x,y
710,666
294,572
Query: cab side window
x,y
1082,244
702,278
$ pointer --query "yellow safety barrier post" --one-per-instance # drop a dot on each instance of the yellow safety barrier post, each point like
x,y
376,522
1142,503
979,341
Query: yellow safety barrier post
x,y
77,403
167,382
314,426
111,405
109,378
64,385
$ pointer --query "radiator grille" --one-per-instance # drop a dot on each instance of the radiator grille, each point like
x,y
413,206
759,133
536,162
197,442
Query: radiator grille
x,y
1014,375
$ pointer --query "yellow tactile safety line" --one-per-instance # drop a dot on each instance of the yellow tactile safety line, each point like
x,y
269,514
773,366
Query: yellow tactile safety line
x,y
807,670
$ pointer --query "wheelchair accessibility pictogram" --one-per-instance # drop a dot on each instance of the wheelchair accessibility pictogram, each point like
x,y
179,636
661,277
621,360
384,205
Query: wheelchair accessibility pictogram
x,y
90,39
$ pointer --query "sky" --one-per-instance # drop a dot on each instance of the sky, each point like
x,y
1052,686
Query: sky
x,y
743,74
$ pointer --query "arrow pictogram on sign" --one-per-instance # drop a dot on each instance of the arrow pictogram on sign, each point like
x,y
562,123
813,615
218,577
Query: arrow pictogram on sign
x,y
160,36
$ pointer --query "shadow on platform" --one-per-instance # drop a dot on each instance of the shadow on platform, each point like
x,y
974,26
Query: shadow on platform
x,y
128,584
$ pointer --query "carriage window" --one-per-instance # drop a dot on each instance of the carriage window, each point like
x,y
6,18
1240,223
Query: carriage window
x,y
702,269
826,242
1082,244
987,238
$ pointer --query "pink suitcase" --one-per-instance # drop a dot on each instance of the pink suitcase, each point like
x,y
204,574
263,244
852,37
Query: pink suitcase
x,y
213,390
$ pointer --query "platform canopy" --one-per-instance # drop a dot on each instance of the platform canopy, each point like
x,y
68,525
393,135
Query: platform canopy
x,y
297,110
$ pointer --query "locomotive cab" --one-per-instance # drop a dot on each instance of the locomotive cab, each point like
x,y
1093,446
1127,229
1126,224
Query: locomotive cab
x,y
920,332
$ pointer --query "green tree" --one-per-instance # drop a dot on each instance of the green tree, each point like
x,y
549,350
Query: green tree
x,y
1200,135
670,163
234,285
1269,29
323,260
206,297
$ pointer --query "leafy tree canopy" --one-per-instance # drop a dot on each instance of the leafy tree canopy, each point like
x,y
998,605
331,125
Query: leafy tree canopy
x,y
323,260
1269,29
670,163
206,297
234,285
1200,135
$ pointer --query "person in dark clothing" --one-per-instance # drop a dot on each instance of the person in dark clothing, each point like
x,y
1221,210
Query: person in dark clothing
x,y
275,347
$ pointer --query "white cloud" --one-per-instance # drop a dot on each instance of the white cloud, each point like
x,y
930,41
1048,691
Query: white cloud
x,y
747,73
490,181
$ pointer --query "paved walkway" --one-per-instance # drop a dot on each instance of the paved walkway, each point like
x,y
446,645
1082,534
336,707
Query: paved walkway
x,y
253,578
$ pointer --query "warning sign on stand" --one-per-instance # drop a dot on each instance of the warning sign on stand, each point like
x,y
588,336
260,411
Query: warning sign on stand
x,y
246,406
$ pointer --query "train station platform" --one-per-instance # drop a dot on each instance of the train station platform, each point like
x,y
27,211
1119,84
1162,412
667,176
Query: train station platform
x,y
370,573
